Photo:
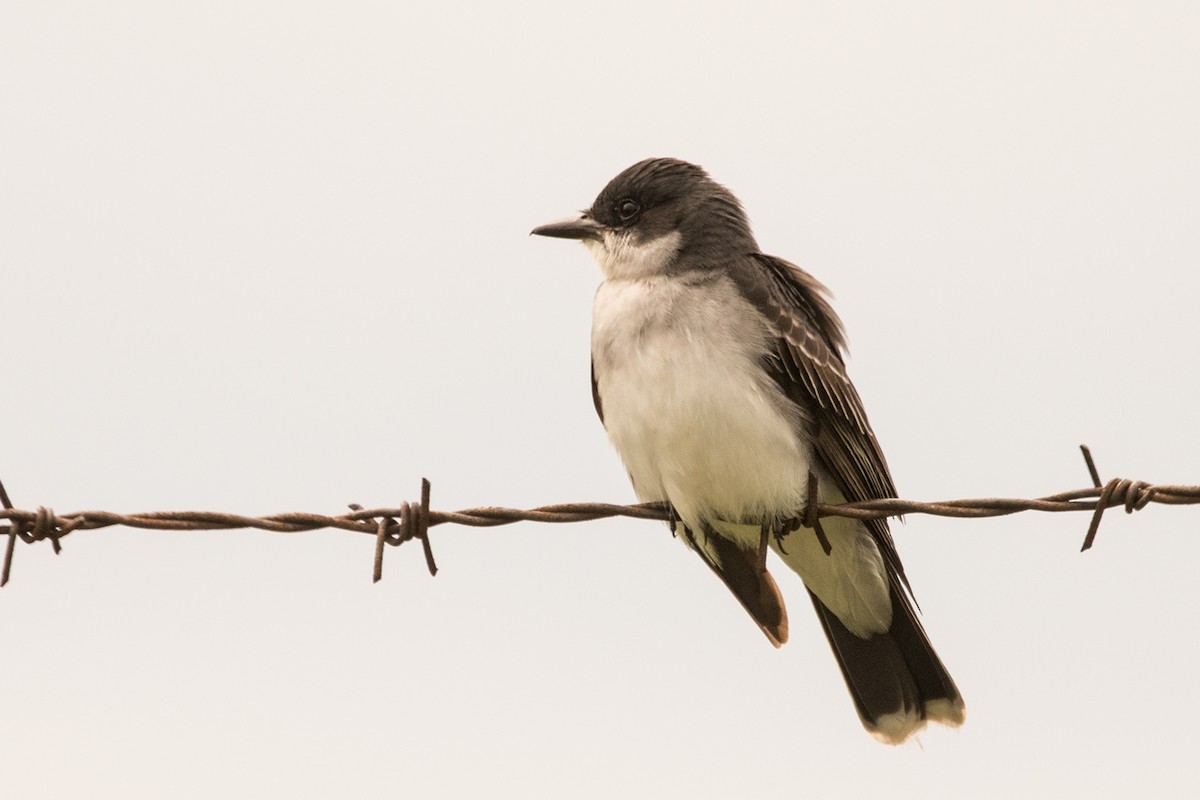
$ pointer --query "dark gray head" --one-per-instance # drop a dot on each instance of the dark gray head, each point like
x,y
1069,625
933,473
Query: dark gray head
x,y
657,216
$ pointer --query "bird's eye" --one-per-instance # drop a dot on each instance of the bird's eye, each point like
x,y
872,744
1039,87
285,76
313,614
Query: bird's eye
x,y
628,209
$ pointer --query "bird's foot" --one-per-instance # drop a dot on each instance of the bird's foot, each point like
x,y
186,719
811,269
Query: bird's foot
x,y
782,529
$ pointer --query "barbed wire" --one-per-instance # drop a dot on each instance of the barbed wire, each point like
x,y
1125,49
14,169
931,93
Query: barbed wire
x,y
409,521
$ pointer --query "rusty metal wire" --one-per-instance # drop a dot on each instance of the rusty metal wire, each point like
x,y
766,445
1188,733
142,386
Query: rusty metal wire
x,y
395,526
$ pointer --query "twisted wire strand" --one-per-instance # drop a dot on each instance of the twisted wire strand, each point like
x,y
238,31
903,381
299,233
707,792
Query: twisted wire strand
x,y
394,526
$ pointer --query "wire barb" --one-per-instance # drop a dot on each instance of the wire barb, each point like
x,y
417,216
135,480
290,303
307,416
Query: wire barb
x,y
1134,495
31,527
413,524
11,544
395,526
422,527
1091,465
380,541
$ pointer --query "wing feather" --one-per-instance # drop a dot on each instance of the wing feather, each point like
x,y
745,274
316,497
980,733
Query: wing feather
x,y
809,366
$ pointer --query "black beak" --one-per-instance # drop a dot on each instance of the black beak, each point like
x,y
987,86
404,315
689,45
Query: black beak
x,y
581,227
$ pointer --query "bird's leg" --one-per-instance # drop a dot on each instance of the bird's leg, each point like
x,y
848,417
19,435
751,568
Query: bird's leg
x,y
811,519
672,518
763,534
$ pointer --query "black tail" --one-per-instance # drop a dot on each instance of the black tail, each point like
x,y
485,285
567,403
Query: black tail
x,y
896,679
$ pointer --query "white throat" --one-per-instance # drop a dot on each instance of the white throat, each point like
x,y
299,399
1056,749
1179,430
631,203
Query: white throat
x,y
620,257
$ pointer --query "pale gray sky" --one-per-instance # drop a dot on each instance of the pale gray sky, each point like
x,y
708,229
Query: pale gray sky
x,y
264,257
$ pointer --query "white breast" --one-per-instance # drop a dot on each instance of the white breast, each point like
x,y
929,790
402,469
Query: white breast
x,y
698,423
687,405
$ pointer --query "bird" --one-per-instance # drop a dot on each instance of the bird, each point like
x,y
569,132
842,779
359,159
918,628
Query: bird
x,y
719,375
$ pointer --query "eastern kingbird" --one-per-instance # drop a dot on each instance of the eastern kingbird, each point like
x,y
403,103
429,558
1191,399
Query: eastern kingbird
x,y
718,373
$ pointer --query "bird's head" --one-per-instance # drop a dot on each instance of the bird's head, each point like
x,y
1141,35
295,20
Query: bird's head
x,y
659,216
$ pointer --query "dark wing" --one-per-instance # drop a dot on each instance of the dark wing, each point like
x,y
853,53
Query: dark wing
x,y
596,395
809,367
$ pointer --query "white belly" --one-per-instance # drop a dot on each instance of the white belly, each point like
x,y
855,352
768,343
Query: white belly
x,y
698,423
688,408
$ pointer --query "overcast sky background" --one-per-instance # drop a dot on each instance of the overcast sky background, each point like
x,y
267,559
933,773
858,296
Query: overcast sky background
x,y
262,257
